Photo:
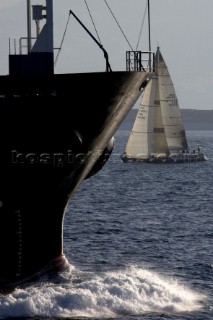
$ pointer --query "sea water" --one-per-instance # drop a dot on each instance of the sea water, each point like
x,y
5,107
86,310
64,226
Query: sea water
x,y
138,239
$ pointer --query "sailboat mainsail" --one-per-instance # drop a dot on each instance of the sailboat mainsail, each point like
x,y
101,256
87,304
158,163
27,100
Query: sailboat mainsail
x,y
171,113
158,133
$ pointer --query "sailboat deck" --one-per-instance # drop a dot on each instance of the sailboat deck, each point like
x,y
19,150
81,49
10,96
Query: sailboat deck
x,y
172,158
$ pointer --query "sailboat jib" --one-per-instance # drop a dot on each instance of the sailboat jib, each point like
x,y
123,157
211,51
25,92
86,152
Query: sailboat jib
x,y
138,144
158,133
147,137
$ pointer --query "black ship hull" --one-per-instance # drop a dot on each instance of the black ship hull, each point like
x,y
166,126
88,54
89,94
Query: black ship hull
x,y
57,132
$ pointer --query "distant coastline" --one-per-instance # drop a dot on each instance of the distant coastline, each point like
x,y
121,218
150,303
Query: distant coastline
x,y
193,119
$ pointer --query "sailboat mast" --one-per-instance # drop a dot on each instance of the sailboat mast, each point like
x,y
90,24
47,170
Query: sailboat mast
x,y
29,44
149,31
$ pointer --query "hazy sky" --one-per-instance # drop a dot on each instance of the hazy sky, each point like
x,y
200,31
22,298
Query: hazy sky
x,y
182,28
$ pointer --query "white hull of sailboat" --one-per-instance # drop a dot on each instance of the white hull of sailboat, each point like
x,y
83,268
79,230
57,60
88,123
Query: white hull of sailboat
x,y
173,158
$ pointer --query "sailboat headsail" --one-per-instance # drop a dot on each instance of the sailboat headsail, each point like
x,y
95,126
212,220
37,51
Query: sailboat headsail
x,y
148,136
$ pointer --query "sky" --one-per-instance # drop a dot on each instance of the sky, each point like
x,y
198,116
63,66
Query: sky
x,y
182,29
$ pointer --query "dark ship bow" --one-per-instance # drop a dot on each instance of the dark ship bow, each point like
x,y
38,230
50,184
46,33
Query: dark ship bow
x,y
58,131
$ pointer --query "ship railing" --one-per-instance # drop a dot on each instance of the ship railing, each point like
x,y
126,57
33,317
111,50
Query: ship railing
x,y
140,61
19,46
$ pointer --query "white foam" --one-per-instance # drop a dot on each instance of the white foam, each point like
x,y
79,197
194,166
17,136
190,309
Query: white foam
x,y
131,291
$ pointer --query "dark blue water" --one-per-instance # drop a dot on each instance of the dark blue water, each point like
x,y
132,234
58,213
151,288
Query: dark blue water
x,y
139,243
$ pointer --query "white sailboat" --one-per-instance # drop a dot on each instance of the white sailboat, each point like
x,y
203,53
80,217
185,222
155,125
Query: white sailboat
x,y
158,133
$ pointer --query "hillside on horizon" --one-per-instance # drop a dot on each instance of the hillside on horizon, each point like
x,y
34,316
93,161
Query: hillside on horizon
x,y
194,119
